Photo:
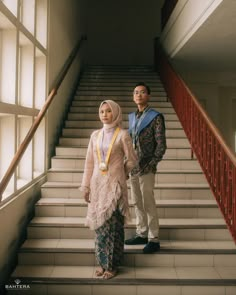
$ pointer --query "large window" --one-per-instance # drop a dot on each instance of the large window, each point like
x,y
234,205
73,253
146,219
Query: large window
x,y
23,60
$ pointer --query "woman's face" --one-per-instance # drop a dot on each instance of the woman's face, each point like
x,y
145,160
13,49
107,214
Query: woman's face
x,y
105,114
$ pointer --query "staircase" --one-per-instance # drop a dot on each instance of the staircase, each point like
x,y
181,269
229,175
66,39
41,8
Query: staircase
x,y
197,253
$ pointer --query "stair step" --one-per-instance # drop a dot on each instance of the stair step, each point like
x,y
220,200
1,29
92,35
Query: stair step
x,y
165,164
64,207
167,246
125,110
94,116
86,132
123,87
122,76
171,142
96,124
86,96
162,176
171,153
165,191
122,103
115,93
164,223
56,256
170,229
129,279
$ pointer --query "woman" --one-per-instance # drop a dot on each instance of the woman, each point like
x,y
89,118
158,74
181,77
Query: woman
x,y
110,157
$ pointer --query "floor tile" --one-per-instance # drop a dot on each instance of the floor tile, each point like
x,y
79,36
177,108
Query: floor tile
x,y
225,260
123,273
197,273
69,290
81,259
230,290
80,272
197,260
41,243
33,271
203,290
114,290
159,290
155,273
165,260
227,273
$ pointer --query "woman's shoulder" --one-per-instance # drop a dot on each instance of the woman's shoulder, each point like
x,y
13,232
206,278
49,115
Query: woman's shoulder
x,y
95,133
124,133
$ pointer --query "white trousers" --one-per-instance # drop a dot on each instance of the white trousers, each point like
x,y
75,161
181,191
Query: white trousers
x,y
142,194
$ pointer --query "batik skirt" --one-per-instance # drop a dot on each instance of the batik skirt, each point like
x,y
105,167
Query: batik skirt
x,y
109,242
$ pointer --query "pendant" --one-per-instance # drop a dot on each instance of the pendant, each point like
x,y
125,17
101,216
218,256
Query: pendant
x,y
103,166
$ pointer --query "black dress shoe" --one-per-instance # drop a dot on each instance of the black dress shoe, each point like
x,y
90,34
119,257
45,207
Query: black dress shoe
x,y
151,247
137,240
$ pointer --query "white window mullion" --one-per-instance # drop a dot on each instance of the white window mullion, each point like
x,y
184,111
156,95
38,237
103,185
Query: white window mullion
x,y
23,87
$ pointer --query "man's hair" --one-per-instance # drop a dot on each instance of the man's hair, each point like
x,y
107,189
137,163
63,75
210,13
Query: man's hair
x,y
145,85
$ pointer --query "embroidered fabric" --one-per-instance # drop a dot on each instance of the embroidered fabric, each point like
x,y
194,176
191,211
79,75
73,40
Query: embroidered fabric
x,y
108,191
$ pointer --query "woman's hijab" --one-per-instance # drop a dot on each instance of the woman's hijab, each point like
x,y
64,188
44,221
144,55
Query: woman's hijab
x,y
116,114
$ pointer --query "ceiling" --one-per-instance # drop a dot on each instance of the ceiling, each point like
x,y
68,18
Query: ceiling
x,y
213,46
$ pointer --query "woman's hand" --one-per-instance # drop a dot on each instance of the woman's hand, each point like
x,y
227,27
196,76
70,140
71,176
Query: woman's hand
x,y
86,197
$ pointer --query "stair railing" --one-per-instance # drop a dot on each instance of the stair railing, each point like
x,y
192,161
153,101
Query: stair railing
x,y
218,162
20,152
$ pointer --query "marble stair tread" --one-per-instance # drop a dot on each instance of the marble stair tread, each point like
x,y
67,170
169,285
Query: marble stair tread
x,y
128,275
159,203
160,171
51,184
167,246
164,223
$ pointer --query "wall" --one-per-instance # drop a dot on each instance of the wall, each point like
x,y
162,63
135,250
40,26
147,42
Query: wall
x,y
187,17
123,32
66,25
13,219
217,93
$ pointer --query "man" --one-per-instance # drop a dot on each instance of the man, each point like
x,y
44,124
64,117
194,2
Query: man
x,y
147,129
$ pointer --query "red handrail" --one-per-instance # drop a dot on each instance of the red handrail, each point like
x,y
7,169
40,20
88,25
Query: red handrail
x,y
20,152
216,159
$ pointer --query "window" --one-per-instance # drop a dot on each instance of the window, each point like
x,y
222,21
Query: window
x,y
23,63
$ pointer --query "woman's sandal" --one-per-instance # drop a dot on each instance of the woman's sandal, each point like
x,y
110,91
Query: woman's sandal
x,y
109,274
99,272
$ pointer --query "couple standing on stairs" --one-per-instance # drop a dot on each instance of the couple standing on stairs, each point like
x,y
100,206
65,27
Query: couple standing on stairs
x,y
113,155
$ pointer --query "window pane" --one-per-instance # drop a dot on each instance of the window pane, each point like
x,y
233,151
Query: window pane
x,y
41,22
7,61
27,14
26,68
11,5
40,79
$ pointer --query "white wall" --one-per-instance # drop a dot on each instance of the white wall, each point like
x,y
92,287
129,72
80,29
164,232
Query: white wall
x,y
187,17
66,25
13,218
217,93
123,32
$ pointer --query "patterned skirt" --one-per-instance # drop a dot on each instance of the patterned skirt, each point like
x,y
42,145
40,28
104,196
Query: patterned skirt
x,y
109,242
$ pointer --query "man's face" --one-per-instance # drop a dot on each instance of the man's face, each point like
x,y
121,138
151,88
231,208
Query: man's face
x,y
141,97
